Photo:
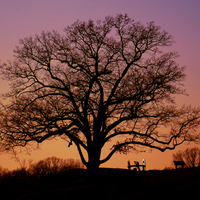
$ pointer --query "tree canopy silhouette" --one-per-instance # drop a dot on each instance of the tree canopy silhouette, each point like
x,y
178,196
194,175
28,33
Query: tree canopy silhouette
x,y
98,82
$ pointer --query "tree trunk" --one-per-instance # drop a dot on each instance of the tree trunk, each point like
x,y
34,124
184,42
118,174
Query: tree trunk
x,y
93,158
93,165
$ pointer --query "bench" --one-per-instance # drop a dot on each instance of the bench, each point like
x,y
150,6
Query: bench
x,y
137,165
179,163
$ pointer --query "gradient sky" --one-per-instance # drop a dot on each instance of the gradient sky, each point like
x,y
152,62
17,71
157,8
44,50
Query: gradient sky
x,y
181,18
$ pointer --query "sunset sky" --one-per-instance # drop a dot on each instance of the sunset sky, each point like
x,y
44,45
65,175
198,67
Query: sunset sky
x,y
180,18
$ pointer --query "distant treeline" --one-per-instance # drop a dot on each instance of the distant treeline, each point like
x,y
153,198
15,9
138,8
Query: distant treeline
x,y
46,167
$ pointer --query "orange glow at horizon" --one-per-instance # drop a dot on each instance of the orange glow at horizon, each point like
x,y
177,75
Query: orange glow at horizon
x,y
59,148
181,19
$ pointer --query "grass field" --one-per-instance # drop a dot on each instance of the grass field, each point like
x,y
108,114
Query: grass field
x,y
104,184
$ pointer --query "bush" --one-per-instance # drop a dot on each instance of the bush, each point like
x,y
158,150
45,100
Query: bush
x,y
53,165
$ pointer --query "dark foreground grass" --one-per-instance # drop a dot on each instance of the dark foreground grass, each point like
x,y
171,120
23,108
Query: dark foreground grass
x,y
105,184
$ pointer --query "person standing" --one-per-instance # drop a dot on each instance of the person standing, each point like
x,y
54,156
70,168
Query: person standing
x,y
144,164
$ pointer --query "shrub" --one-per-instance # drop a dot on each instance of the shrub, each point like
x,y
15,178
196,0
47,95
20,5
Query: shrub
x,y
53,165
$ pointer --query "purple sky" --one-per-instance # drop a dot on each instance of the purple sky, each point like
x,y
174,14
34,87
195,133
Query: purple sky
x,y
181,18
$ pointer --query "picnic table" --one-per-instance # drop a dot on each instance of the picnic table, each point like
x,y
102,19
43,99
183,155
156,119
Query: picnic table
x,y
179,163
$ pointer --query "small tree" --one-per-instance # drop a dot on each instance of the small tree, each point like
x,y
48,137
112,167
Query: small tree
x,y
191,156
98,82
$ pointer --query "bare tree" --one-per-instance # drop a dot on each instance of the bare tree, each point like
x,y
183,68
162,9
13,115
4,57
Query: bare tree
x,y
178,156
191,156
100,81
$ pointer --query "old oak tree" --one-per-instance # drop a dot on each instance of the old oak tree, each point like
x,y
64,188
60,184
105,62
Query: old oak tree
x,y
100,81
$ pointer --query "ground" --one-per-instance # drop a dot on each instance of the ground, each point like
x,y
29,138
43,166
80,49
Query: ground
x,y
106,184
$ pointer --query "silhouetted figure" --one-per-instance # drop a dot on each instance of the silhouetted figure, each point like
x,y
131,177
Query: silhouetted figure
x,y
129,165
137,165
143,164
